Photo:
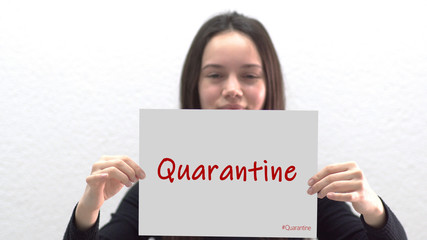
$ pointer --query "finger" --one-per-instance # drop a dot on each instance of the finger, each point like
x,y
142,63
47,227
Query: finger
x,y
331,169
138,170
94,193
340,176
100,163
119,164
114,173
343,197
109,157
96,183
97,179
341,187
142,174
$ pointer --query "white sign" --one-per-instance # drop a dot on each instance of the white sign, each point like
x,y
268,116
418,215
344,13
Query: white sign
x,y
227,173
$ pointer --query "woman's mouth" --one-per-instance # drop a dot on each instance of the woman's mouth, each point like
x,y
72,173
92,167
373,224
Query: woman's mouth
x,y
232,106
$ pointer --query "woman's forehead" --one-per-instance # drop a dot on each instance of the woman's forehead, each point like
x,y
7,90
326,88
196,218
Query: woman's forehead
x,y
231,48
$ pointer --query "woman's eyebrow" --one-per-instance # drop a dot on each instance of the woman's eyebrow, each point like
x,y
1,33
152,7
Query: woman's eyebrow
x,y
212,66
220,66
251,66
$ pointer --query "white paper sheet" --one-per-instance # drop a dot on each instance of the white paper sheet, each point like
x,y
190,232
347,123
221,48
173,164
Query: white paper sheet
x,y
196,161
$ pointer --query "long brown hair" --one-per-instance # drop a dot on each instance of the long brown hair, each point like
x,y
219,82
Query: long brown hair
x,y
190,98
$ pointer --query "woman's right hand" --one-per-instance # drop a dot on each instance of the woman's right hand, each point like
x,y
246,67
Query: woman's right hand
x,y
109,175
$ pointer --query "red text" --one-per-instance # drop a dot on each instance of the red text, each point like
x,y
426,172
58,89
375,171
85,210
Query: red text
x,y
167,168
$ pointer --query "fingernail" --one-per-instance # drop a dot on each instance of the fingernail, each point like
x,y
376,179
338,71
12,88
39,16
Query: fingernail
x,y
141,174
310,182
310,191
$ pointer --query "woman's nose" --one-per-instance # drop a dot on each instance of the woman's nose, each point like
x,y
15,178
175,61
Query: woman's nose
x,y
232,88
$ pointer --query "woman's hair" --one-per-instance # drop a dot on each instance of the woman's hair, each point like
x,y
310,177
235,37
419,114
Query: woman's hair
x,y
274,98
190,98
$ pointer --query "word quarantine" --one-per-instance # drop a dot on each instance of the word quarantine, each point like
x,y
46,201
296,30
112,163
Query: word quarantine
x,y
169,170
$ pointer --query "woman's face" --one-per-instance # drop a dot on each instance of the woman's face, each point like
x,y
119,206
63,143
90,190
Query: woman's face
x,y
232,75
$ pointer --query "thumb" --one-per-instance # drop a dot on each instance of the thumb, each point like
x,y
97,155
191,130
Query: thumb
x,y
93,198
97,182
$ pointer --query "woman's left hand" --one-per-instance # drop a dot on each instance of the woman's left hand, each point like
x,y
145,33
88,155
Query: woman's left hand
x,y
346,182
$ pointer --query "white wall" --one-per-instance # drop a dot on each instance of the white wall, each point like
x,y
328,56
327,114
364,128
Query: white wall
x,y
73,76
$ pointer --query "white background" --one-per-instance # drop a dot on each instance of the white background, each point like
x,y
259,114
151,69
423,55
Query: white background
x,y
73,76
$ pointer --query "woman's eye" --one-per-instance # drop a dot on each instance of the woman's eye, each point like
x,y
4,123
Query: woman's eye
x,y
251,78
214,75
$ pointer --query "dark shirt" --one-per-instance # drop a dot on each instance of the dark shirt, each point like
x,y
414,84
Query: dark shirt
x,y
335,221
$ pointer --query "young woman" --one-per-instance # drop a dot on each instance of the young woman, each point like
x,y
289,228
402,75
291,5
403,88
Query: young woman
x,y
232,64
